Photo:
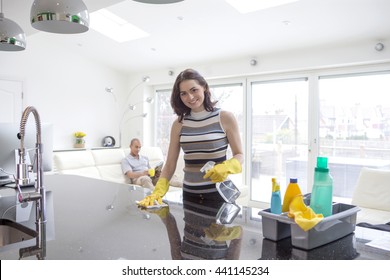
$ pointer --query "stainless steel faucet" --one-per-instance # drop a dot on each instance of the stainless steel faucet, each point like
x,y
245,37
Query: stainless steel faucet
x,y
39,193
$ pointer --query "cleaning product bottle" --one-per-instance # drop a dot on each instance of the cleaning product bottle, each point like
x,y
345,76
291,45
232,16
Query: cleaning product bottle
x,y
227,189
322,193
276,200
292,191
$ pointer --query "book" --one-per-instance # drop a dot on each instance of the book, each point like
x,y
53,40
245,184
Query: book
x,y
159,166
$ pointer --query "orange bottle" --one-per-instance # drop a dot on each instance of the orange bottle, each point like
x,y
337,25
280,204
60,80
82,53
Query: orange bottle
x,y
292,191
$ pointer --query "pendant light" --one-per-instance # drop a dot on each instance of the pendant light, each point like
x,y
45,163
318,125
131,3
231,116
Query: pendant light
x,y
12,37
64,17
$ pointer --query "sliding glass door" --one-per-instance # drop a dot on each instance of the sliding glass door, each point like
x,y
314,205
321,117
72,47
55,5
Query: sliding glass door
x,y
279,139
354,126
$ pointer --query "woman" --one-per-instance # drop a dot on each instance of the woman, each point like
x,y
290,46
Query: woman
x,y
204,133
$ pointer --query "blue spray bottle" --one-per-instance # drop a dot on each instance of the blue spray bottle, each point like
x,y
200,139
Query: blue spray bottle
x,y
276,199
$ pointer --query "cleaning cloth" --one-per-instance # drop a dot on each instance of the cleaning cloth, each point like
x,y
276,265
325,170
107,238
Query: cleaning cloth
x,y
156,205
303,215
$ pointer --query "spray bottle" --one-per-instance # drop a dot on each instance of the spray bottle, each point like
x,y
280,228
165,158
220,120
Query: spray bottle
x,y
226,189
276,199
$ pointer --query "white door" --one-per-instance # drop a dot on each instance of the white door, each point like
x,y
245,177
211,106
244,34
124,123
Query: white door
x,y
10,101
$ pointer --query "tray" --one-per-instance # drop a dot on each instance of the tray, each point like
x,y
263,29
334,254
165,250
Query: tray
x,y
341,223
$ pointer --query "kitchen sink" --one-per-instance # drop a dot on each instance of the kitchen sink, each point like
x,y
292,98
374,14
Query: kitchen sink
x,y
12,232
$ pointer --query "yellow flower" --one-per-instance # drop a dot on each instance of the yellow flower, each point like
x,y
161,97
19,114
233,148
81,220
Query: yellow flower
x,y
79,134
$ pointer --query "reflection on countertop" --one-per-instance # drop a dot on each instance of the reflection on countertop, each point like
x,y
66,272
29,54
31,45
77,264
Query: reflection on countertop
x,y
91,219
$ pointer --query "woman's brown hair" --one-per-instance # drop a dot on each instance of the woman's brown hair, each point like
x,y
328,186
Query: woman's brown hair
x,y
178,106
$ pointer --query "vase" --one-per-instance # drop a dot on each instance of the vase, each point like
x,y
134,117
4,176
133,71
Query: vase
x,y
79,143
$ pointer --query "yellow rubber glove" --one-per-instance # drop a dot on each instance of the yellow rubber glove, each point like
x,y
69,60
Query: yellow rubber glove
x,y
222,233
152,172
303,215
221,171
159,191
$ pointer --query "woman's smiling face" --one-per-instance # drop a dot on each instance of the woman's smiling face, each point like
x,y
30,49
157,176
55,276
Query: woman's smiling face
x,y
192,95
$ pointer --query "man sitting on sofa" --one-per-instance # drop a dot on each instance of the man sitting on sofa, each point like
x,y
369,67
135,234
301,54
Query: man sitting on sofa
x,y
137,167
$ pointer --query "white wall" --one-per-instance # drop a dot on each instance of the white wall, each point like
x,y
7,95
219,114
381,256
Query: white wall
x,y
67,90
356,53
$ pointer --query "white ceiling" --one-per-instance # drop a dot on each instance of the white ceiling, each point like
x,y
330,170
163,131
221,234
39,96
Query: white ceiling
x,y
212,31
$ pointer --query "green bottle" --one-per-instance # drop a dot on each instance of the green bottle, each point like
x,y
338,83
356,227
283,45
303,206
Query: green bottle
x,y
322,193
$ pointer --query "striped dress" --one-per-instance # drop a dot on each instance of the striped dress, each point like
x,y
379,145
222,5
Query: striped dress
x,y
202,139
197,218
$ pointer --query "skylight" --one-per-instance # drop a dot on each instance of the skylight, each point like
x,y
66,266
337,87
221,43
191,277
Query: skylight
x,y
115,27
247,6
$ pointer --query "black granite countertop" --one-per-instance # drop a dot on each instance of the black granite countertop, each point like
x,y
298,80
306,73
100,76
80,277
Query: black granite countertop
x,y
91,219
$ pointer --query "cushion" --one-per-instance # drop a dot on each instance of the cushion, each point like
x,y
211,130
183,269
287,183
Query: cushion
x,y
373,189
154,154
73,160
108,156
91,172
113,173
176,182
372,216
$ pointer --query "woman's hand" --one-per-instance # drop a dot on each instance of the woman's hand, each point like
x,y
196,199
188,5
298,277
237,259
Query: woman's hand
x,y
159,191
220,172
150,200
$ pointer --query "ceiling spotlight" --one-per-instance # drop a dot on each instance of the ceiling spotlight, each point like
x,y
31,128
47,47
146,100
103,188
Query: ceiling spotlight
x,y
253,62
379,47
110,89
171,73
146,79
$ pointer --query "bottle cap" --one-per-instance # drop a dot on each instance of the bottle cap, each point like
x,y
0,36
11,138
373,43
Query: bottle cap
x,y
293,180
322,164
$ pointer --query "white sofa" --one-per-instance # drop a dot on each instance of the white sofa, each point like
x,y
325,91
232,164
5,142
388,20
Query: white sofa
x,y
105,164
372,195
